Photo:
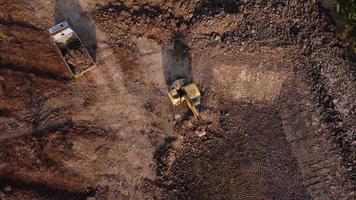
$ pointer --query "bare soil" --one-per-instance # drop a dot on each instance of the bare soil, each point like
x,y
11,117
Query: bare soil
x,y
278,102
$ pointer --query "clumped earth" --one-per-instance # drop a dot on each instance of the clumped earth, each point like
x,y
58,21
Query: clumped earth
x,y
278,102
77,57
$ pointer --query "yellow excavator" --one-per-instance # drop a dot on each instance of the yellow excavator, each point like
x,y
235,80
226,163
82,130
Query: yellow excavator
x,y
183,92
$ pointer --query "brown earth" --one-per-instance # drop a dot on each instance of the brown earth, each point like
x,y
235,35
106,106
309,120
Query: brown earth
x,y
278,102
76,56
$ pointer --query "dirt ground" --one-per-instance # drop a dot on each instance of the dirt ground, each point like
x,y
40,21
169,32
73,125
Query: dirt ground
x,y
278,102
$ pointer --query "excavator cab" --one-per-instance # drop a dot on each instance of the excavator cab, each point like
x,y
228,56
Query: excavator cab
x,y
182,92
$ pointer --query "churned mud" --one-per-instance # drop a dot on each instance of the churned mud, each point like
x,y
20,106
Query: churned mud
x,y
278,102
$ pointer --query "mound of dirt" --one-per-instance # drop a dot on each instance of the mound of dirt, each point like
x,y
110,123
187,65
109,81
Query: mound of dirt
x,y
76,56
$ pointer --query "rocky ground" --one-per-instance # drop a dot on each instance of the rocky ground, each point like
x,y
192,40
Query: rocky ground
x,y
278,102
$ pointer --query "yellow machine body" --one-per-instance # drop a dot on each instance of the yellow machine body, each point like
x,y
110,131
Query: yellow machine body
x,y
189,94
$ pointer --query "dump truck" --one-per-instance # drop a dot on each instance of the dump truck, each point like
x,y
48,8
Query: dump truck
x,y
181,91
71,49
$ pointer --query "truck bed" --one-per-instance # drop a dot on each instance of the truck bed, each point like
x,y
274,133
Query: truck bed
x,y
76,56
71,49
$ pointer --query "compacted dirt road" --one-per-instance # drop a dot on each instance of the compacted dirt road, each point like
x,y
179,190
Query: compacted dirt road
x,y
277,102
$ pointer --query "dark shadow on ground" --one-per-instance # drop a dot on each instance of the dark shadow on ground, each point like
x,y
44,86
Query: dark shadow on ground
x,y
72,11
177,60
213,7
21,187
161,153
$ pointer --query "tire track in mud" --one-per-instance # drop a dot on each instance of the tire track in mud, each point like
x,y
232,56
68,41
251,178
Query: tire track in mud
x,y
20,25
319,161
130,158
42,191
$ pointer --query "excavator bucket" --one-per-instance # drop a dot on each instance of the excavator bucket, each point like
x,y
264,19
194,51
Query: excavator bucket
x,y
71,49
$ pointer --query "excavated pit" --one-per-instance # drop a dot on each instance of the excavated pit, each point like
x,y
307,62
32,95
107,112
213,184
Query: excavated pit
x,y
277,102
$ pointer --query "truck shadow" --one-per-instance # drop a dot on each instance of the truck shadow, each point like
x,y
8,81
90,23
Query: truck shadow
x,y
176,60
71,11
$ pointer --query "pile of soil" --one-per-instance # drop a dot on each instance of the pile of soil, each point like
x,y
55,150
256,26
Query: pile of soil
x,y
76,56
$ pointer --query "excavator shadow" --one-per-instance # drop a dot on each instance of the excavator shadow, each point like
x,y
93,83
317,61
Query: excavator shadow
x,y
177,70
176,60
